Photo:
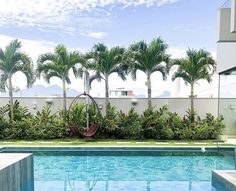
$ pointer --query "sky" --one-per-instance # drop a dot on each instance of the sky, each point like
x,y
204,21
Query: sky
x,y
78,24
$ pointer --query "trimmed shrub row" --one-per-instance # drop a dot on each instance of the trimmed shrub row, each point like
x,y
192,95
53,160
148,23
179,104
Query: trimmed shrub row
x,y
152,124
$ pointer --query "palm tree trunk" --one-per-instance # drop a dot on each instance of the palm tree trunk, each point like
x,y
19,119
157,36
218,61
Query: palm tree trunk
x,y
192,97
11,99
64,96
192,102
149,90
107,94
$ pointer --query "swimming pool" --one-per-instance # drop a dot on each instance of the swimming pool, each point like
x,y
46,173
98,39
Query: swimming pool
x,y
128,170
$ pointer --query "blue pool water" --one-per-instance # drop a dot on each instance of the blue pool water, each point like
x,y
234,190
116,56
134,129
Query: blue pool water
x,y
128,171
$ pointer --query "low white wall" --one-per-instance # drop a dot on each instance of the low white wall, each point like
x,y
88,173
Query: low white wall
x,y
179,105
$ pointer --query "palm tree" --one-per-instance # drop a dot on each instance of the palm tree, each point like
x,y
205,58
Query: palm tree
x,y
58,64
149,58
106,62
198,65
12,60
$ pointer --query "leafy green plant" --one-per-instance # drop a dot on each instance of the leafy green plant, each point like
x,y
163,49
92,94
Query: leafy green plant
x,y
78,116
3,112
153,124
129,126
19,112
108,123
209,128
149,122
156,124
47,125
190,117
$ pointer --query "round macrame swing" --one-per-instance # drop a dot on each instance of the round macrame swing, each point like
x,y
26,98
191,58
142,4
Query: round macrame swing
x,y
94,125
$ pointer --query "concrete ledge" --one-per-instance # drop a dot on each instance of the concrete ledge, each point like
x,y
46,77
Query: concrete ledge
x,y
16,172
224,180
114,148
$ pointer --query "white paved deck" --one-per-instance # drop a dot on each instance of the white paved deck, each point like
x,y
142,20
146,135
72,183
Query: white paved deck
x,y
16,172
231,141
224,180
7,159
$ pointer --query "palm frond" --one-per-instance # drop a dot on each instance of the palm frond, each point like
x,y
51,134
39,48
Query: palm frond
x,y
12,48
46,68
148,58
68,80
120,71
1,54
78,71
96,76
3,82
47,57
198,65
12,60
162,69
29,72
106,61
98,48
47,76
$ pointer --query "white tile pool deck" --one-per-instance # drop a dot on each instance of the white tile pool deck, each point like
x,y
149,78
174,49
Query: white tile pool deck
x,y
16,172
224,179
7,159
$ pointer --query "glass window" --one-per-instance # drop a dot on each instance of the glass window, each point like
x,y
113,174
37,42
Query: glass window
x,y
227,101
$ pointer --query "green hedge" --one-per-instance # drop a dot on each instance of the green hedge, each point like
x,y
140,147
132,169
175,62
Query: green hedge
x,y
152,124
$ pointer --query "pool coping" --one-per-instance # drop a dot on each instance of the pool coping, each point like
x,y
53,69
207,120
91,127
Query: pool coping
x,y
16,172
114,148
224,179
9,159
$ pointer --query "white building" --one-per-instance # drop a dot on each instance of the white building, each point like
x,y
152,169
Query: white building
x,y
226,65
121,92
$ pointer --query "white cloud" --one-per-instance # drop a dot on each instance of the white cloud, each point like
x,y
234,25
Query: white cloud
x,y
31,47
177,52
62,15
98,35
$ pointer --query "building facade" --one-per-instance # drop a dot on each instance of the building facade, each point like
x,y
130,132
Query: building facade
x,y
226,66
121,92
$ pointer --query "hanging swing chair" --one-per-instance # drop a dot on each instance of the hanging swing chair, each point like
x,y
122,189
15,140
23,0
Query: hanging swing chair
x,y
94,124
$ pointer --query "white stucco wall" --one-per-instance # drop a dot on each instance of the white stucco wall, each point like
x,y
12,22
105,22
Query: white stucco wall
x,y
226,46
233,16
226,56
179,105
225,33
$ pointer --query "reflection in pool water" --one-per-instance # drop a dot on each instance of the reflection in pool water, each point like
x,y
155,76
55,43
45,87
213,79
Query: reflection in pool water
x,y
128,171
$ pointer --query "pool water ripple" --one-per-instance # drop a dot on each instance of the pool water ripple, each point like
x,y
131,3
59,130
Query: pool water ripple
x,y
179,171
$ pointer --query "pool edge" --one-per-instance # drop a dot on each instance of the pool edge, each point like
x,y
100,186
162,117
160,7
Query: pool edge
x,y
114,148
